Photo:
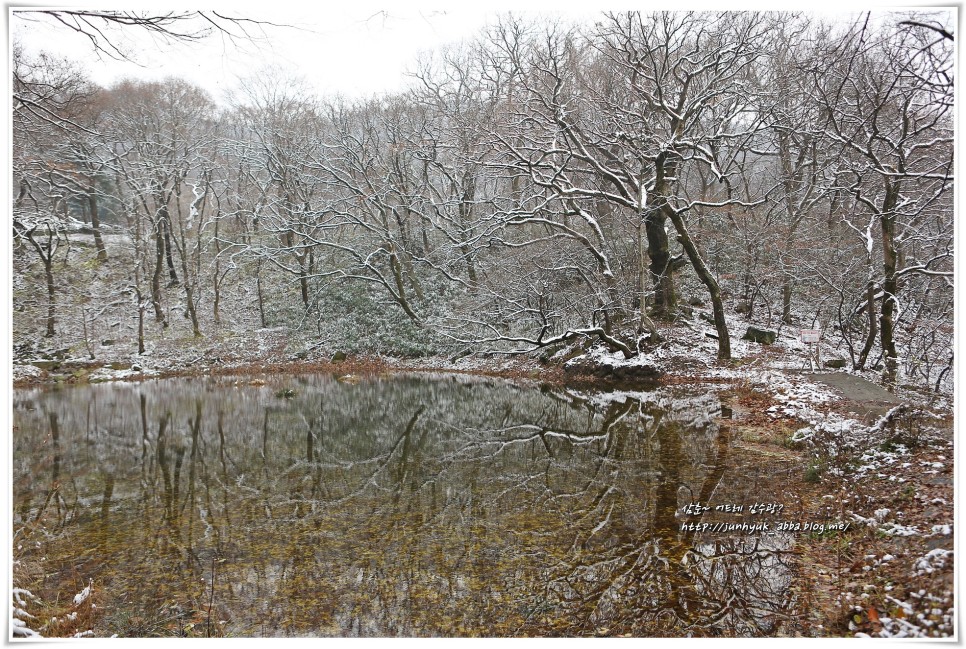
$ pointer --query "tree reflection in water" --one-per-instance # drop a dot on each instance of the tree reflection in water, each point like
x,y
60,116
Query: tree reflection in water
x,y
404,506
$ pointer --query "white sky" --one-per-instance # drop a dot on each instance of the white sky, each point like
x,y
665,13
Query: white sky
x,y
353,49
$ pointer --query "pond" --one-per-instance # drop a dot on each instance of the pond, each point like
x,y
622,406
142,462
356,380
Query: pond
x,y
396,506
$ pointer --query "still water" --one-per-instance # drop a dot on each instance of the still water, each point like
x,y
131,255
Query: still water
x,y
392,506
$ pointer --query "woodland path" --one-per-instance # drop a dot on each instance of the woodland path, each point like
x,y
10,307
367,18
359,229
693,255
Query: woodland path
x,y
866,399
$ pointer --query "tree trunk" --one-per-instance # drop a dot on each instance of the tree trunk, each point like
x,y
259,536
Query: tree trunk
x,y
87,339
787,302
140,324
192,313
51,296
303,282
873,327
889,289
164,227
400,285
188,288
720,324
96,226
665,299
658,250
644,322
258,289
47,258
216,283
470,266
156,277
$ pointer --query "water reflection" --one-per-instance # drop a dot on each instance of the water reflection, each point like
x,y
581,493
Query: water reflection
x,y
405,506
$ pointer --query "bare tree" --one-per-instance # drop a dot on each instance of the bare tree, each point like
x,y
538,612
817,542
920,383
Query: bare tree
x,y
103,28
161,134
888,118
51,101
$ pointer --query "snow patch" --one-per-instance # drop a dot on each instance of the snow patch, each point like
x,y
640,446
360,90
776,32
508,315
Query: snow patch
x,y
82,596
103,374
22,372
932,561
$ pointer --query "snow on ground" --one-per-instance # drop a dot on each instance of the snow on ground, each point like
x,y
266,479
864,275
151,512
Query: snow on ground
x,y
19,619
600,356
796,395
933,560
107,374
80,597
25,372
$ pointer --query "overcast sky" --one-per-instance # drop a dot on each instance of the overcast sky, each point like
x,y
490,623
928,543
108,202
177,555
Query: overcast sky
x,y
353,49
349,51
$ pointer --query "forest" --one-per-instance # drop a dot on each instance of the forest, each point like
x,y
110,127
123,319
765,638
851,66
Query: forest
x,y
637,326
543,184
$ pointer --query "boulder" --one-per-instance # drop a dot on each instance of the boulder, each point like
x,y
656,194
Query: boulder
x,y
636,372
338,357
762,336
835,363
466,351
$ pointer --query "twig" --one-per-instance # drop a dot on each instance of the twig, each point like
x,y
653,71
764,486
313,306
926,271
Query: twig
x,y
211,599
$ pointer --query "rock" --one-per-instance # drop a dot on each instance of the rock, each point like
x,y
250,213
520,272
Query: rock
x,y
942,542
338,357
641,372
763,336
933,513
46,365
135,367
573,353
119,366
461,354
835,363
743,307
695,301
107,343
686,311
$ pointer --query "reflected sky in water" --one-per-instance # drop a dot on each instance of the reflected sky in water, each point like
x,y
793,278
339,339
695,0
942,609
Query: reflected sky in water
x,y
403,506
